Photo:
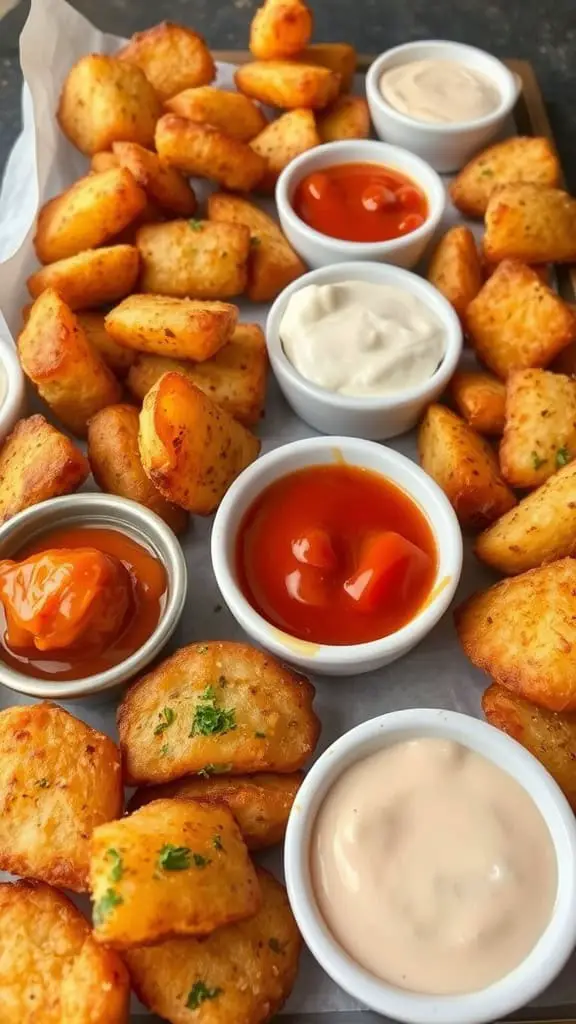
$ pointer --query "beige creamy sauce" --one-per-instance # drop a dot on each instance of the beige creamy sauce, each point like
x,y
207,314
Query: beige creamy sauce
x,y
3,385
432,867
439,91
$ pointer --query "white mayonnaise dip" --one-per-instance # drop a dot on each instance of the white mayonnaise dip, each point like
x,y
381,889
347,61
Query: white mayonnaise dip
x,y
439,91
3,384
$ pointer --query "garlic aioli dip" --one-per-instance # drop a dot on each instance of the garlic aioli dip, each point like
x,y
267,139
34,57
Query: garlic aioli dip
x,y
432,867
3,384
361,339
439,91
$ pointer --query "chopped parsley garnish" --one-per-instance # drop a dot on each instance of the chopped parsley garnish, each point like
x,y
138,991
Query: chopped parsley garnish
x,y
164,749
200,993
105,905
487,172
42,783
167,716
537,461
214,769
562,456
209,719
276,946
217,842
196,225
200,861
260,735
117,868
174,858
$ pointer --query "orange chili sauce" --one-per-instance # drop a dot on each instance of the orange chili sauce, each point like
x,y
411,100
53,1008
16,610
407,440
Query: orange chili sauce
x,y
336,555
149,591
360,202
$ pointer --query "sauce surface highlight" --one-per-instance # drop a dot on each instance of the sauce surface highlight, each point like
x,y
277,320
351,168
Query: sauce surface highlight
x,y
432,867
439,91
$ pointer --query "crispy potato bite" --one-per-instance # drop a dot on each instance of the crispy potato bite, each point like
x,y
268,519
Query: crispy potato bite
x,y
530,223
116,356
105,100
90,278
241,974
463,464
166,187
59,779
481,401
51,970
194,259
260,803
206,152
518,159
280,28
347,118
283,140
549,736
190,448
516,322
171,56
174,867
216,706
178,328
455,268
235,378
339,57
231,112
522,632
37,462
58,359
540,432
115,462
104,160
288,85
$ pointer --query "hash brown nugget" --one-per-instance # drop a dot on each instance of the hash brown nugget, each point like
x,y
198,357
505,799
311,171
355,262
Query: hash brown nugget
x,y
171,56
287,84
347,118
280,28
455,268
282,140
530,223
51,969
339,57
231,112
480,399
118,358
59,779
174,867
206,152
166,187
167,326
540,432
91,278
518,159
194,259
522,632
216,705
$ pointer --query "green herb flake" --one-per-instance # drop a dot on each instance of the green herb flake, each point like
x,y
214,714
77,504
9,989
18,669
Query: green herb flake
x,y
117,866
164,750
104,906
487,172
563,457
167,717
200,861
214,769
196,225
202,649
209,718
174,858
276,946
536,460
42,783
260,735
217,842
200,993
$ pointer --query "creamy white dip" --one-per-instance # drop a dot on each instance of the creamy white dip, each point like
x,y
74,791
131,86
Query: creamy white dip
x,y
439,91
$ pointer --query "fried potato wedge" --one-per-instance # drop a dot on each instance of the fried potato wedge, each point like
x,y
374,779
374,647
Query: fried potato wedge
x,y
260,803
530,223
105,100
190,448
273,264
280,28
115,461
51,969
90,278
228,707
455,268
116,356
347,118
283,140
235,378
339,57
288,85
206,152
59,779
171,56
522,632
516,322
174,867
463,464
194,259
231,112
480,399
165,186
104,160
540,432
58,359
177,328
37,462
518,159
241,973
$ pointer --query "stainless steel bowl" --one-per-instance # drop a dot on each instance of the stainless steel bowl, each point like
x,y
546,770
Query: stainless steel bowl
x,y
96,509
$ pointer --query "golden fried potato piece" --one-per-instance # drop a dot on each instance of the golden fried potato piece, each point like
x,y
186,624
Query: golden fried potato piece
x,y
190,448
273,264
105,100
522,632
118,358
51,970
235,378
518,159
516,322
166,187
283,140
216,706
104,160
540,432
241,974
58,359
549,736
59,779
194,259
37,462
172,57
455,268
480,399
90,278
231,112
206,152
115,462
260,803
463,464
288,85
339,57
174,867
177,328
530,223
347,118
280,28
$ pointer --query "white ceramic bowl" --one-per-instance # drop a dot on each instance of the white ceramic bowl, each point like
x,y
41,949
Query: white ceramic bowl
x,y
446,147
326,659
373,418
12,403
319,250
552,950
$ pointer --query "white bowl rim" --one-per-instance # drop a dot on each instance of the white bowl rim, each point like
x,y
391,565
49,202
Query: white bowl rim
x,y
11,404
556,943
